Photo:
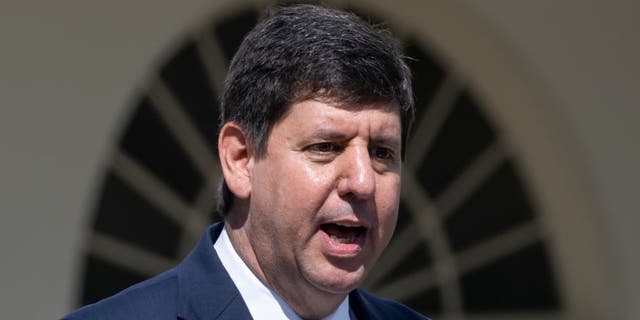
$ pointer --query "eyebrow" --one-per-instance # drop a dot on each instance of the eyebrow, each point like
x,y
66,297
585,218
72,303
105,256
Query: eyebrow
x,y
387,140
390,140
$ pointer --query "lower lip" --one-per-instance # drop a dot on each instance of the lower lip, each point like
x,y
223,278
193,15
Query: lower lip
x,y
344,250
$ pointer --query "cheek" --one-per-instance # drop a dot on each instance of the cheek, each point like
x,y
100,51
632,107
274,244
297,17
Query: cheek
x,y
388,205
388,221
305,185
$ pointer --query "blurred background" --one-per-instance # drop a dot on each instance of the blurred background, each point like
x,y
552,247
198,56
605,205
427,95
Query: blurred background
x,y
519,197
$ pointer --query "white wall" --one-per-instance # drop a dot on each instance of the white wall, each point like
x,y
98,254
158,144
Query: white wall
x,y
68,69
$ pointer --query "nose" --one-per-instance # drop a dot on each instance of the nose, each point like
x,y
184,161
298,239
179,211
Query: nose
x,y
358,178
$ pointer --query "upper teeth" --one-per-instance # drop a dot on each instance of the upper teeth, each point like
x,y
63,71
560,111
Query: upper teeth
x,y
347,225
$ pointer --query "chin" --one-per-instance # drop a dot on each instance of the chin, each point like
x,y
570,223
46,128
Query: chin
x,y
340,282
337,289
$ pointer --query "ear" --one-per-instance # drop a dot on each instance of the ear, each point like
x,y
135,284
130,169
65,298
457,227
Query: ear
x,y
236,159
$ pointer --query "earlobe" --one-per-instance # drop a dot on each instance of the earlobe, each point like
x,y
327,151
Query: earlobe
x,y
235,159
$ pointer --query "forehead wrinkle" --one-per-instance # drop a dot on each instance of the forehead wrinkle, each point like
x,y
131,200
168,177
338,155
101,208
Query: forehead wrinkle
x,y
330,134
338,122
335,126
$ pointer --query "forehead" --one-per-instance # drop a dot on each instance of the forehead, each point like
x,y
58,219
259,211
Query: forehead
x,y
314,115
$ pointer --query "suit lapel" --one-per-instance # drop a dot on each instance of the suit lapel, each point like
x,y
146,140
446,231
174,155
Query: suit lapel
x,y
205,290
361,307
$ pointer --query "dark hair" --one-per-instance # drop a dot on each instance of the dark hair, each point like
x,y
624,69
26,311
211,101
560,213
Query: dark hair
x,y
309,52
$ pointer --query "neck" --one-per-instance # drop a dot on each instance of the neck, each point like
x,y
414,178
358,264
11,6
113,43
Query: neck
x,y
305,300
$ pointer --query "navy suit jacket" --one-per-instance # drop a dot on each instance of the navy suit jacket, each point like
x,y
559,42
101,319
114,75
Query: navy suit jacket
x,y
200,288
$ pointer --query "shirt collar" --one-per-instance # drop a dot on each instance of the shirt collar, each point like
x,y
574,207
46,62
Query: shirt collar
x,y
262,302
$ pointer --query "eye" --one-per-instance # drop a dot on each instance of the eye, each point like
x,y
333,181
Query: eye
x,y
382,153
324,147
323,151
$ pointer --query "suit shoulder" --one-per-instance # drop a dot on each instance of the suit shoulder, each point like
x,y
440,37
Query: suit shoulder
x,y
388,309
154,298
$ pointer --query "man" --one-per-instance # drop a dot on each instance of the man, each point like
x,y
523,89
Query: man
x,y
316,110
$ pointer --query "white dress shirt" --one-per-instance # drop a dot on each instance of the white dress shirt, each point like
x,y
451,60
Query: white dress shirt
x,y
262,302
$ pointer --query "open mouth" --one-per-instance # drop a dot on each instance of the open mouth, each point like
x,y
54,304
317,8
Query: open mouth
x,y
343,234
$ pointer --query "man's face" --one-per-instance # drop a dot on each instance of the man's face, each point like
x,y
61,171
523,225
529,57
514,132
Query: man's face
x,y
324,199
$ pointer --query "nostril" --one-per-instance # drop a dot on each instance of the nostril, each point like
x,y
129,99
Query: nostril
x,y
346,195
